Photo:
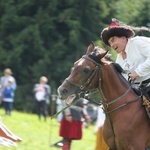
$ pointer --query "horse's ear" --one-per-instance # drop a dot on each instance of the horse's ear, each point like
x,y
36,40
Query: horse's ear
x,y
90,48
101,55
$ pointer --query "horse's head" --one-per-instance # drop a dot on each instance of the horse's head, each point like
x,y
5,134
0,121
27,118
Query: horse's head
x,y
84,74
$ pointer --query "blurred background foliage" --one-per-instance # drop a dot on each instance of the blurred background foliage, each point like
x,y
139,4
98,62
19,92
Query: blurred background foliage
x,y
45,37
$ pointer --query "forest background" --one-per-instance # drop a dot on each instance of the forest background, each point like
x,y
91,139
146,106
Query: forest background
x,y
45,37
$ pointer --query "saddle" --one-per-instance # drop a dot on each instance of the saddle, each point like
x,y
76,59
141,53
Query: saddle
x,y
144,91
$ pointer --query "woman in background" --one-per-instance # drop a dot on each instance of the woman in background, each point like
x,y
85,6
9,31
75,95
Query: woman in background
x,y
8,87
71,124
42,92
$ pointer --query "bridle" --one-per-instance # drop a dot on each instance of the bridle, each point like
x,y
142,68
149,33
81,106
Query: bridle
x,y
83,93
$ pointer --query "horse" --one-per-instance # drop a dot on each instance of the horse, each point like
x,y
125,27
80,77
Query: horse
x,y
127,126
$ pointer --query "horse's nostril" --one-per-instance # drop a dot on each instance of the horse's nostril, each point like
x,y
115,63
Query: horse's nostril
x,y
64,91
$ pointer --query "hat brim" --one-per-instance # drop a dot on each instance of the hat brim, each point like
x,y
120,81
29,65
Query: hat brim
x,y
109,32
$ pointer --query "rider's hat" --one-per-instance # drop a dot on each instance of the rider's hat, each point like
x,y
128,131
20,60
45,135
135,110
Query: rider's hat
x,y
115,29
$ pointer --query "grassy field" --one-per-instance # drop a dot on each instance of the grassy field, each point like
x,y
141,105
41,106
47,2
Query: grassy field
x,y
39,135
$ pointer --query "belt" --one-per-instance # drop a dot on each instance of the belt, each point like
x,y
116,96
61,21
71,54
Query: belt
x,y
143,82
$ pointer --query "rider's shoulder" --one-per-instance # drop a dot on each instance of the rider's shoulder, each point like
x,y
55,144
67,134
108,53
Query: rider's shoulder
x,y
139,40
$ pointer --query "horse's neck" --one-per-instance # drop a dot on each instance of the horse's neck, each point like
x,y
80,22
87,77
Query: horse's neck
x,y
113,83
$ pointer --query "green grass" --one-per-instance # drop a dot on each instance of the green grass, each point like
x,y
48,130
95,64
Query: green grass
x,y
39,135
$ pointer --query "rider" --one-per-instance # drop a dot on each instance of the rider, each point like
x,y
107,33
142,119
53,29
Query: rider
x,y
133,52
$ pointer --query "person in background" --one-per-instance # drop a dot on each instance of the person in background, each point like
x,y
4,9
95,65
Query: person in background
x,y
42,92
100,143
71,124
86,122
59,107
8,96
8,87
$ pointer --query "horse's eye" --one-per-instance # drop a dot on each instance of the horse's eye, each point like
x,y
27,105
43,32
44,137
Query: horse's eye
x,y
86,70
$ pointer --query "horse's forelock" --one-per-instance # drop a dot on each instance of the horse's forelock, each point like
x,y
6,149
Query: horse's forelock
x,y
95,54
97,50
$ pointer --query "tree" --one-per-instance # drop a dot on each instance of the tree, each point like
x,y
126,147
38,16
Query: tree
x,y
45,37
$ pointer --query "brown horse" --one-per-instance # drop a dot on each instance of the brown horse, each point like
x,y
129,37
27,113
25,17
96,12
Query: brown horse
x,y
127,126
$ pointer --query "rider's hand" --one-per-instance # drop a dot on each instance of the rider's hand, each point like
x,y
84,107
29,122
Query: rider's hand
x,y
133,75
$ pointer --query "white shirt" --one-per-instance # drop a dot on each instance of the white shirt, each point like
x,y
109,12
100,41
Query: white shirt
x,y
138,58
100,119
40,92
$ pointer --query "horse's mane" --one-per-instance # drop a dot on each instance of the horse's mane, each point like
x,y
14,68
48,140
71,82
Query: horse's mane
x,y
118,68
93,55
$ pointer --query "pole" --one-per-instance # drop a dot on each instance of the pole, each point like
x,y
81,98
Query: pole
x,y
52,109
